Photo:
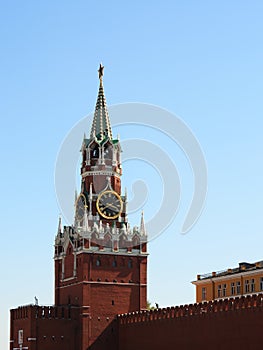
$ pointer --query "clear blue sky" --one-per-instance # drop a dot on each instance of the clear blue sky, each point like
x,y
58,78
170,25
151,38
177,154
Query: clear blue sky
x,y
201,60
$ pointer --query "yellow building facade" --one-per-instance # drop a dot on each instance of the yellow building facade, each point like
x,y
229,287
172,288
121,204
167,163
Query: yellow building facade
x,y
246,279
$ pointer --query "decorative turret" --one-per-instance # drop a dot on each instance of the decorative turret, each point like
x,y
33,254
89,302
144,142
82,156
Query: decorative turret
x,y
142,226
59,226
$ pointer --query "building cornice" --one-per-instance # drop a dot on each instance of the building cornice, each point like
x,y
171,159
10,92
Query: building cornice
x,y
100,172
102,283
229,277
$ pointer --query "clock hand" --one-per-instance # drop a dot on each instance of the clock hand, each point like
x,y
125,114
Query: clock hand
x,y
105,206
113,206
109,205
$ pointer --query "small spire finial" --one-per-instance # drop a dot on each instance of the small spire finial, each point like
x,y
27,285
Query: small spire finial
x,y
100,70
59,225
142,226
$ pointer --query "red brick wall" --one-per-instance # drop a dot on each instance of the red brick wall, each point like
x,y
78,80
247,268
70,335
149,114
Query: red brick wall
x,y
89,273
234,324
46,328
104,290
224,325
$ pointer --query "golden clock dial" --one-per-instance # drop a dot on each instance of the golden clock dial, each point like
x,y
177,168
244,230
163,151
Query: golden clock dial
x,y
109,204
81,205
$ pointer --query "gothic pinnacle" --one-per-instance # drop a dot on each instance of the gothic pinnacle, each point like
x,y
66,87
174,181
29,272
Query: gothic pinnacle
x,y
59,225
142,226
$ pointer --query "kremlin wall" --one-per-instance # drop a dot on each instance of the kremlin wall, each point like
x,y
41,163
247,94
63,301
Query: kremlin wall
x,y
234,323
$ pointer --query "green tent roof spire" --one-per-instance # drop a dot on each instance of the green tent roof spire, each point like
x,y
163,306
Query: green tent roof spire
x,y
101,122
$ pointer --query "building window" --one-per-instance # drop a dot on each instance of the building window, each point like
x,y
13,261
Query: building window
x,y
114,263
224,290
246,286
204,293
130,264
98,262
261,283
238,287
252,285
233,288
95,153
20,337
219,291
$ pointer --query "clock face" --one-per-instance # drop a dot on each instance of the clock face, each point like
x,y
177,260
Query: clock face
x,y
109,204
81,205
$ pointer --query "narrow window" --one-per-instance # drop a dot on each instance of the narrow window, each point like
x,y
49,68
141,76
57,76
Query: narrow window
x,y
98,262
204,293
112,302
20,336
261,283
224,290
114,263
233,288
252,285
95,153
219,290
238,287
130,264
246,286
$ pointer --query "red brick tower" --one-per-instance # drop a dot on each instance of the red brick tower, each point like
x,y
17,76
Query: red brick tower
x,y
100,262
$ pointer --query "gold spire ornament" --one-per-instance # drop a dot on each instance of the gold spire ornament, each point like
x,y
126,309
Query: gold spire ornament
x,y
100,70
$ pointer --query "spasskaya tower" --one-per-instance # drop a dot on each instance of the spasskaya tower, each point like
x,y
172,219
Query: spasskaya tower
x,y
100,261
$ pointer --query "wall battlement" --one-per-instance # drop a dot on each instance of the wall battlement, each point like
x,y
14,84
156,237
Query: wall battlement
x,y
197,309
41,312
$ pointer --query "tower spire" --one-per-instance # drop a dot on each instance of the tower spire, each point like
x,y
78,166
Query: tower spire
x,y
142,226
59,226
101,127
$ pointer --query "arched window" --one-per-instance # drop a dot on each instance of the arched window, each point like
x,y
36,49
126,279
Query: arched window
x,y
108,151
98,262
95,153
